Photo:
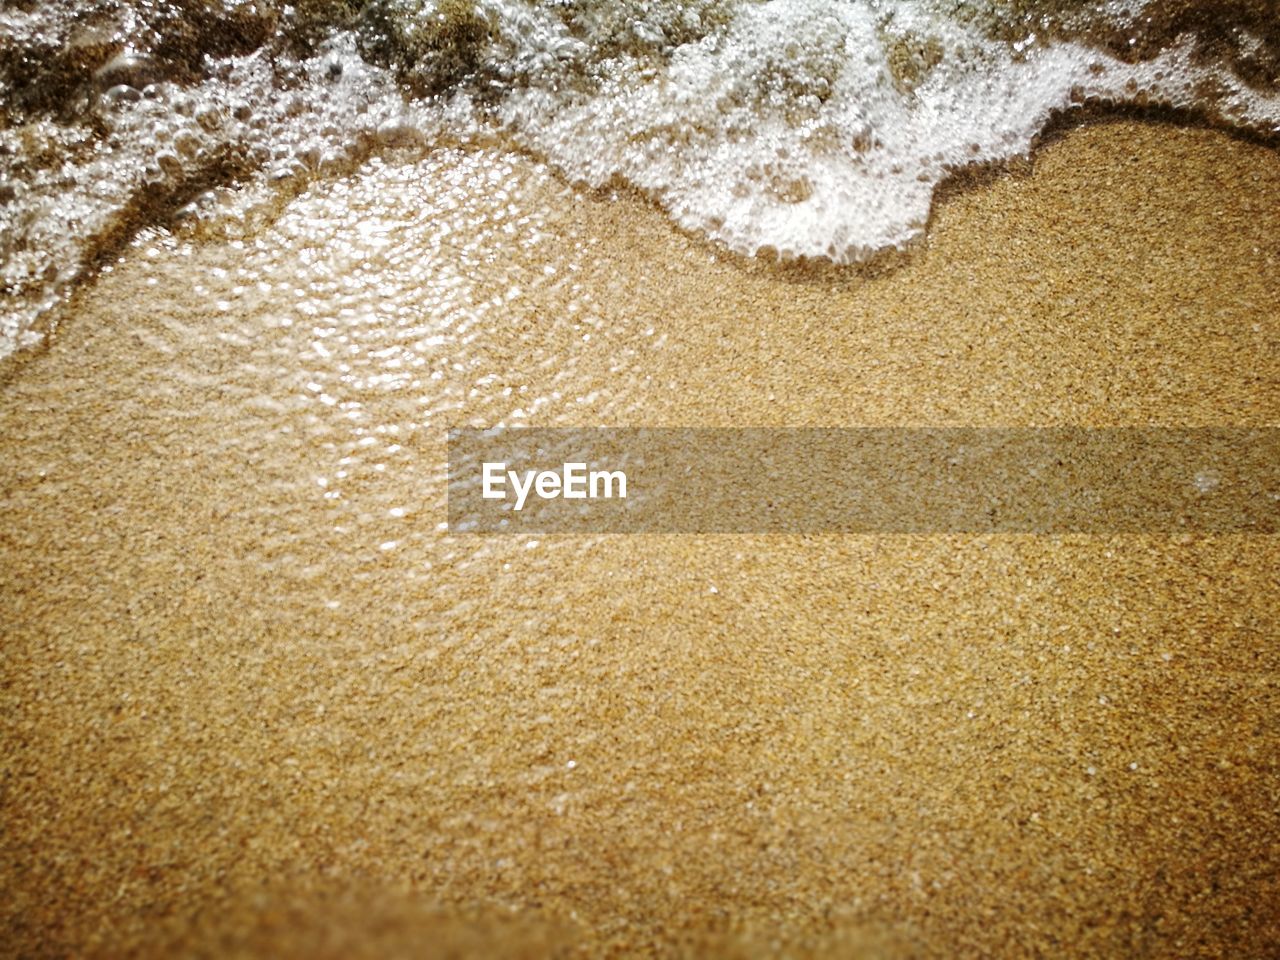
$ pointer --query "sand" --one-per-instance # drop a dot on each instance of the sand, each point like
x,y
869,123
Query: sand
x,y
254,700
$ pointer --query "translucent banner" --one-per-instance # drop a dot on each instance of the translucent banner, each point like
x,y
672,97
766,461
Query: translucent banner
x,y
865,480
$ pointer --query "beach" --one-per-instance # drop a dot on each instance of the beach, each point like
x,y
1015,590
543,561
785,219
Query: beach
x,y
256,699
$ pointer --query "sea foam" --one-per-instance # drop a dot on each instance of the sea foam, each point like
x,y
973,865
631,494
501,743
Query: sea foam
x,y
803,128
785,129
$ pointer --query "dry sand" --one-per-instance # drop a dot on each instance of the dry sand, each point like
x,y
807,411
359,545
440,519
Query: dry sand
x,y
254,700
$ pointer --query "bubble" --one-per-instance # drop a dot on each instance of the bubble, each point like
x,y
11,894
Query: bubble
x,y
127,69
122,93
210,118
187,144
398,132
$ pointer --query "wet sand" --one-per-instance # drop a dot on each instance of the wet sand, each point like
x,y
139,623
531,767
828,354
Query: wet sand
x,y
254,700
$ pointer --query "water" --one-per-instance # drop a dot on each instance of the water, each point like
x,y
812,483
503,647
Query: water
x,y
783,129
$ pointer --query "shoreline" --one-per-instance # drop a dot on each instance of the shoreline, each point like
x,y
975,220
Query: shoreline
x,y
1062,124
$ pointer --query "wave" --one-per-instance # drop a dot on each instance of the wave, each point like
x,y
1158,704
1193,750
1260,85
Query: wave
x,y
779,128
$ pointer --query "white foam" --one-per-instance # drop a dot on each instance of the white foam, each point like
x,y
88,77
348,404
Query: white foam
x,y
786,132
788,128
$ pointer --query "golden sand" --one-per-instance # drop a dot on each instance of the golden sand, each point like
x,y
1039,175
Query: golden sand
x,y
254,700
